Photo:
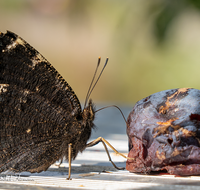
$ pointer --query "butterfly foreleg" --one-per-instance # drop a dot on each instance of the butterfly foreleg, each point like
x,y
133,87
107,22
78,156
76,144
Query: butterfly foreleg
x,y
61,161
104,141
69,160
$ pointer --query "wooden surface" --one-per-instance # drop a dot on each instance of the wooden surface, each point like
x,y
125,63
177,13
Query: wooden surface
x,y
92,170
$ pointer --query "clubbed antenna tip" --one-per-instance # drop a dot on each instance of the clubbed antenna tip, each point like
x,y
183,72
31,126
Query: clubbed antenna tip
x,y
91,88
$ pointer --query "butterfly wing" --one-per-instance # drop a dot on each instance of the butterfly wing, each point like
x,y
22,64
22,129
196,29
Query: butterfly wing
x,y
33,132
38,109
25,67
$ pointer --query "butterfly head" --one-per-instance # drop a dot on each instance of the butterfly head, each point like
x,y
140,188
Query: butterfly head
x,y
88,114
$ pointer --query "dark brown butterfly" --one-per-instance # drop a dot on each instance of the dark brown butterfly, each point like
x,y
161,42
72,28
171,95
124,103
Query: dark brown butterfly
x,y
41,120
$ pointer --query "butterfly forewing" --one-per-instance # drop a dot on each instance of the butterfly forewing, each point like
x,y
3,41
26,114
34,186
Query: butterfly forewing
x,y
23,66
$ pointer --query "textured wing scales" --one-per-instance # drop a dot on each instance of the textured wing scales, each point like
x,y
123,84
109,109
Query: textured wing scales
x,y
32,130
25,67
30,157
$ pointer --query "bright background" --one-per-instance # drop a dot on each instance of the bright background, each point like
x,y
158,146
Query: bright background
x,y
152,45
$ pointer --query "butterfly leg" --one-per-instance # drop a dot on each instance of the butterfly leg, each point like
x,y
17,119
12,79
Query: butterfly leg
x,y
104,141
69,160
61,161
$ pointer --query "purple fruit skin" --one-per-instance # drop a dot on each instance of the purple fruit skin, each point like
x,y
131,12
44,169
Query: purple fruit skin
x,y
167,125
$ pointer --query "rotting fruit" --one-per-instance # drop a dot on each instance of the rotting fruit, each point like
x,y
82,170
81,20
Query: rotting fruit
x,y
164,133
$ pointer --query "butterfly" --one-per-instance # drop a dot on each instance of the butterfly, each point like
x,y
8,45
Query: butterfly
x,y
41,120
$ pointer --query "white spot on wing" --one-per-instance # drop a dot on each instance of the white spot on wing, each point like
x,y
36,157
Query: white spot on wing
x,y
15,43
28,130
3,88
24,99
37,59
26,92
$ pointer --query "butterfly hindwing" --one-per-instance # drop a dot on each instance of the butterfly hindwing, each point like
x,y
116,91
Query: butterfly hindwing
x,y
30,124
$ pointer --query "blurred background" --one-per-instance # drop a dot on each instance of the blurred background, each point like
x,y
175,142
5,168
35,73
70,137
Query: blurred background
x,y
152,45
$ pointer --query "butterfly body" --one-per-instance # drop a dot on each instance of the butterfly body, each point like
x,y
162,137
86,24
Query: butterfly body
x,y
39,112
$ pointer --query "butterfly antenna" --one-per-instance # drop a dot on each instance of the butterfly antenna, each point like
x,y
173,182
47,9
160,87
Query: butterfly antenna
x,y
98,63
115,107
91,88
98,78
